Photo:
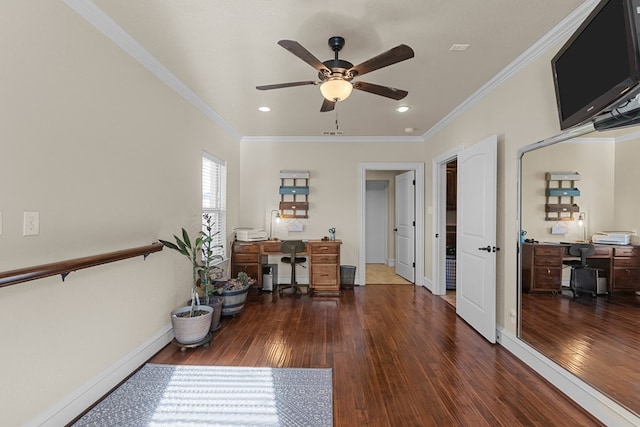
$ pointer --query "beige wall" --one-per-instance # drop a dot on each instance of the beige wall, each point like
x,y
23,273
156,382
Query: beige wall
x,y
595,163
521,111
110,158
334,184
627,201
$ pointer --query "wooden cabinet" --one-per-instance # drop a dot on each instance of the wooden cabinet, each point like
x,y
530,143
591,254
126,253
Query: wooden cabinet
x,y
542,267
323,255
325,266
246,257
626,268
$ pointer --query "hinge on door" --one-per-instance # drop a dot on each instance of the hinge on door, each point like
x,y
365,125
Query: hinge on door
x,y
437,235
414,223
414,265
414,182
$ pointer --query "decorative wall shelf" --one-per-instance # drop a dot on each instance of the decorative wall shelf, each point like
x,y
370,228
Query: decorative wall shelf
x,y
294,194
560,193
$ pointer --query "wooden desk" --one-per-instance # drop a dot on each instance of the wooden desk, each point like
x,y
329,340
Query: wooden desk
x,y
323,257
542,266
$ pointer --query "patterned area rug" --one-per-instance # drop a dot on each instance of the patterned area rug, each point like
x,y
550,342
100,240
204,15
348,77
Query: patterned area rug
x,y
168,395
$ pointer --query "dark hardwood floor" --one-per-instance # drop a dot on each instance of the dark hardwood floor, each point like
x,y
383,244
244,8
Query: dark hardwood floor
x,y
597,339
400,357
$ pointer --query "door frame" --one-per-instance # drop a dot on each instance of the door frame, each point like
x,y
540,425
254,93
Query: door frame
x,y
439,220
418,168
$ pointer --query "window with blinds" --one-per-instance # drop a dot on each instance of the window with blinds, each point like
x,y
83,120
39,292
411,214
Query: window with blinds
x,y
214,197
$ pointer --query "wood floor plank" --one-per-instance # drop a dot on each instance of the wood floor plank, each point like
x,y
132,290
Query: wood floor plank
x,y
400,357
597,339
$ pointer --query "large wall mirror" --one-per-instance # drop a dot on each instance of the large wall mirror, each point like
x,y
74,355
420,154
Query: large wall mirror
x,y
594,335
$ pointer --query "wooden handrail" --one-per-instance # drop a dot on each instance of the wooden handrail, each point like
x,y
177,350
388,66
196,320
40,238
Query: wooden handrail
x,y
63,268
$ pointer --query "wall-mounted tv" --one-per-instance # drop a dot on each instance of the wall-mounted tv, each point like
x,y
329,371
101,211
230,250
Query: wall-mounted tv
x,y
598,68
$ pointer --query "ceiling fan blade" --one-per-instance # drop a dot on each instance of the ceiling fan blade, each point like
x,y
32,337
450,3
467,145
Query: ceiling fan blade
x,y
392,56
281,85
327,105
386,91
302,53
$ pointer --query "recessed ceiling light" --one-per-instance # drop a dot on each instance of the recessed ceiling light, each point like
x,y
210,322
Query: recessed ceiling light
x,y
402,109
459,47
264,109
409,130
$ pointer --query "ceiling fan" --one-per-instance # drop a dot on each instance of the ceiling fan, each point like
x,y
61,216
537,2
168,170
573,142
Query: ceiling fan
x,y
336,74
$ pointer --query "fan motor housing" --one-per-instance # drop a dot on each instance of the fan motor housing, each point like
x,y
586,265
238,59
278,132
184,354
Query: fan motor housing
x,y
337,66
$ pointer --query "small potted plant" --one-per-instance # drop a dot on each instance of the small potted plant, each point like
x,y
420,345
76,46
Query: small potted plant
x,y
191,324
234,292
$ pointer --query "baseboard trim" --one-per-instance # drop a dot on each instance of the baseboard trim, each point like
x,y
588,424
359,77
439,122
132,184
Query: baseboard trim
x,y
74,404
600,406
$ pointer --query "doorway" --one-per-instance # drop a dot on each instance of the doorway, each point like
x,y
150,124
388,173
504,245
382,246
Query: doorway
x,y
376,221
451,207
418,246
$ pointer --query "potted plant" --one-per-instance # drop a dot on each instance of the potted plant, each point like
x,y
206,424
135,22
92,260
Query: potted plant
x,y
234,293
191,324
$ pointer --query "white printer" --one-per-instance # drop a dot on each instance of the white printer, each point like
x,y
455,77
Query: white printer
x,y
612,237
250,235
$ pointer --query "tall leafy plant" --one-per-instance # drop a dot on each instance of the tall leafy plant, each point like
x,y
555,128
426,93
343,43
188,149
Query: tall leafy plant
x,y
200,253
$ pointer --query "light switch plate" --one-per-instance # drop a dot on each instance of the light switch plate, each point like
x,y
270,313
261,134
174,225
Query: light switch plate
x,y
31,226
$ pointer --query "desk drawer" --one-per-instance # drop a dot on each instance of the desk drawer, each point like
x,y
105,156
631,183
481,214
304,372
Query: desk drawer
x,y
602,251
626,262
246,248
271,247
245,258
626,279
325,249
324,259
324,275
626,252
545,260
550,251
548,278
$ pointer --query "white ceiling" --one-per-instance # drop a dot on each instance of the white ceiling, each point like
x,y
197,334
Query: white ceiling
x,y
222,49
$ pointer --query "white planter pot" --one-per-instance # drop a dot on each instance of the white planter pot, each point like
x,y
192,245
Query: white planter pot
x,y
190,330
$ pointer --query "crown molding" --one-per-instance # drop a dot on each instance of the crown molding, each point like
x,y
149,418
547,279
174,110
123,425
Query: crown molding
x,y
101,21
328,139
557,34
114,32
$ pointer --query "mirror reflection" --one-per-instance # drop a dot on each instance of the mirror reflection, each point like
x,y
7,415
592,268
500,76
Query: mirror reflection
x,y
580,259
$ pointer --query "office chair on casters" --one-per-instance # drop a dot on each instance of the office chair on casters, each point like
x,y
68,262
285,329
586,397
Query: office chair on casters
x,y
583,278
292,247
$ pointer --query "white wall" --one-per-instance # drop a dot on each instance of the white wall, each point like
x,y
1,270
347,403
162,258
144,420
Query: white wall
x,y
110,158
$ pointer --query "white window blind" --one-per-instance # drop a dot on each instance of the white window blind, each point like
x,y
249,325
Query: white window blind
x,y
214,197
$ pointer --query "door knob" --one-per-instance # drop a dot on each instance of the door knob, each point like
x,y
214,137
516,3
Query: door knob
x,y
488,249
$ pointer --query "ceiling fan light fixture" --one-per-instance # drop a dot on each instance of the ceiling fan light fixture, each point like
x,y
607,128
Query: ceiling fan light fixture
x,y
336,89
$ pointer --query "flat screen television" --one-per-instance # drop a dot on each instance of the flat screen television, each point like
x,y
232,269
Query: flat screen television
x,y
599,66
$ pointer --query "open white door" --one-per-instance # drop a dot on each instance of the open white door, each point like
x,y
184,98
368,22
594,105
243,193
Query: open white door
x,y
405,225
476,237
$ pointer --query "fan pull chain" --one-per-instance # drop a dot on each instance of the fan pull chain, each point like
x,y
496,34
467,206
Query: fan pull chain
x,y
337,126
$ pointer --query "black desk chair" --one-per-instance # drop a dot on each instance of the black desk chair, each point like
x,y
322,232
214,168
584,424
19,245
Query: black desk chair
x,y
583,278
292,247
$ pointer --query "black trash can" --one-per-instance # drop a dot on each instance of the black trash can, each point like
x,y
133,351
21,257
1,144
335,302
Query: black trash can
x,y
347,276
